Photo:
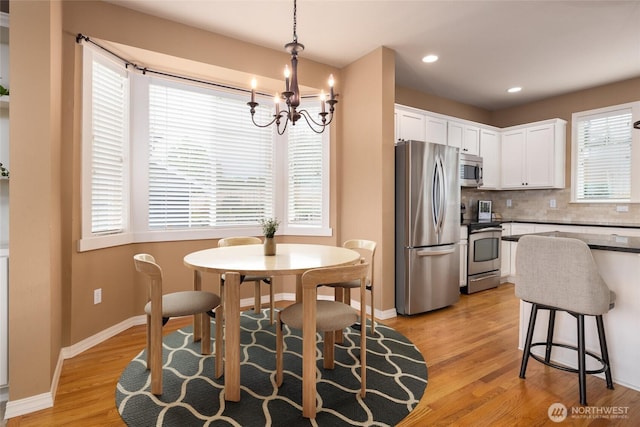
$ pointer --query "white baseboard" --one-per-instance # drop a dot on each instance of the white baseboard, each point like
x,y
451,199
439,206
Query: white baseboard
x,y
45,400
27,405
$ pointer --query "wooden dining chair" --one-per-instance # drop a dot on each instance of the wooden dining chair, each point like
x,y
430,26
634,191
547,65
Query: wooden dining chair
x,y
257,280
323,316
162,307
367,249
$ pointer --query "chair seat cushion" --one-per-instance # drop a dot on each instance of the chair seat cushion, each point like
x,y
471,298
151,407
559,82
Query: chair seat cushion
x,y
351,284
186,303
330,315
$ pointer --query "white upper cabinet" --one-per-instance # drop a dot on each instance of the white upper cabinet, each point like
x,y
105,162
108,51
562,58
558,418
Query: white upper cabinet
x,y
410,125
491,155
436,129
533,156
518,157
417,125
464,136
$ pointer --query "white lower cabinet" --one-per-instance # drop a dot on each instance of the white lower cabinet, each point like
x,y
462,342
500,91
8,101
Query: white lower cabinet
x,y
505,255
4,288
516,229
464,248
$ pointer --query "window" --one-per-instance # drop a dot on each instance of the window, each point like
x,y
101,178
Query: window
x,y
199,167
105,161
603,155
208,165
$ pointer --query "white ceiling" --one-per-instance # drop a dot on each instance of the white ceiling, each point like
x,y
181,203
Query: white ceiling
x,y
547,47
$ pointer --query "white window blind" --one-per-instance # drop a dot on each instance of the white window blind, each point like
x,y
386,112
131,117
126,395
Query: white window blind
x,y
305,175
209,166
604,156
109,124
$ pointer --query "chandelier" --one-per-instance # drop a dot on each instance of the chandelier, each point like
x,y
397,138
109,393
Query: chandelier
x,y
291,95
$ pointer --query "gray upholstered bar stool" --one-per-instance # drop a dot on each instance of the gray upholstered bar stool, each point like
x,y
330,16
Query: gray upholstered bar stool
x,y
557,273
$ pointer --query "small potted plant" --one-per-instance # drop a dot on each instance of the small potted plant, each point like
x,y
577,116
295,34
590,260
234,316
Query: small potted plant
x,y
269,228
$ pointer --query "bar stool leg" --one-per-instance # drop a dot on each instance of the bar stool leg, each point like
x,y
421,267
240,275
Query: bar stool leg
x,y
604,352
550,327
527,344
582,375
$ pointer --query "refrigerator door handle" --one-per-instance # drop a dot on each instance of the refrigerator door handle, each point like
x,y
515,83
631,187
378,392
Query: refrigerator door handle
x,y
438,197
437,252
435,197
443,193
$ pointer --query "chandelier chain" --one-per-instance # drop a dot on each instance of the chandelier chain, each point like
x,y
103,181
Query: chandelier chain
x,y
295,22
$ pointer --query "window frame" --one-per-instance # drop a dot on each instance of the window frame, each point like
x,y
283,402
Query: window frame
x,y
91,240
137,230
576,117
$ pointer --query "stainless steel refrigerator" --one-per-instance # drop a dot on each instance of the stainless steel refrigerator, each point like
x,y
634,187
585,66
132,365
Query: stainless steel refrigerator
x,y
427,197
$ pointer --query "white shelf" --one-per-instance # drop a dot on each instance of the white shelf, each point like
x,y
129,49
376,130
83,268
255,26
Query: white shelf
x,y
4,101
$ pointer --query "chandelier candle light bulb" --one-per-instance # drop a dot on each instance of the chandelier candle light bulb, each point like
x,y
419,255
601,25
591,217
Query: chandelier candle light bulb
x,y
254,83
331,83
287,74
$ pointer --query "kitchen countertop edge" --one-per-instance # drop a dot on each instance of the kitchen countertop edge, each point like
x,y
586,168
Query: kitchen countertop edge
x,y
613,242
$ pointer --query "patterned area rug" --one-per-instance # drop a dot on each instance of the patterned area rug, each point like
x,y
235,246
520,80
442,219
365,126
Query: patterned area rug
x,y
396,380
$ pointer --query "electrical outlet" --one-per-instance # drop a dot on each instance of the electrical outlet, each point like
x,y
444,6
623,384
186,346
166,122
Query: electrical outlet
x,y
97,296
552,203
508,203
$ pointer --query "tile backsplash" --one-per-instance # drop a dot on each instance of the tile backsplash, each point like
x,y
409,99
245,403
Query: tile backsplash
x,y
536,205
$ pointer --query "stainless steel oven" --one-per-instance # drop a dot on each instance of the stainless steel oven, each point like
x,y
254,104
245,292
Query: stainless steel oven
x,y
483,261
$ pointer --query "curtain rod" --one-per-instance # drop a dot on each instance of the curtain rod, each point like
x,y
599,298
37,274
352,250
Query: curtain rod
x,y
80,37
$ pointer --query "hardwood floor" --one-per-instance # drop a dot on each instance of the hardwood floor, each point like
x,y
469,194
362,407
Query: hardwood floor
x,y
473,365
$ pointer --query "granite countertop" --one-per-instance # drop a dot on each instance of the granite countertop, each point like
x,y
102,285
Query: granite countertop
x,y
604,242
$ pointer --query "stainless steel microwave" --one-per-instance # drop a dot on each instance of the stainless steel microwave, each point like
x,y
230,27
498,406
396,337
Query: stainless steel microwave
x,y
470,170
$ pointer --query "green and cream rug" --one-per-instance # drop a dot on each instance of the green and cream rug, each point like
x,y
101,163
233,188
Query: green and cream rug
x,y
396,380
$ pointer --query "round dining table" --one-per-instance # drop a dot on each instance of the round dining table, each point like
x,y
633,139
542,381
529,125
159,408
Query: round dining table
x,y
290,259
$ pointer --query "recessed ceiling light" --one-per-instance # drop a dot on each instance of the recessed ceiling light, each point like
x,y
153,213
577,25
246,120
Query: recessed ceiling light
x,y
430,58
514,89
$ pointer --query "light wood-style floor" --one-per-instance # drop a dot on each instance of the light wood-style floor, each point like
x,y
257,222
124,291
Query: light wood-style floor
x,y
473,365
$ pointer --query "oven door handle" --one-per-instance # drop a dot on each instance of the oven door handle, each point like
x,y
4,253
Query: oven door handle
x,y
435,252
485,230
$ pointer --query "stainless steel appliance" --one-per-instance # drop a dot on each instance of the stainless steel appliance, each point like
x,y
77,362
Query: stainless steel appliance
x,y
427,226
483,260
470,170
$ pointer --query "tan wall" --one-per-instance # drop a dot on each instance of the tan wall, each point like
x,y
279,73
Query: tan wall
x,y
35,245
366,163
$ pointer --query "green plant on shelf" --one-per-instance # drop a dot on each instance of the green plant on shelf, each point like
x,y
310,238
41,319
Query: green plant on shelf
x,y
4,91
4,172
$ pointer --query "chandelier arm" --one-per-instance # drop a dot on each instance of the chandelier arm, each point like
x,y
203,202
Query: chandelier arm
x,y
276,118
311,122
324,123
